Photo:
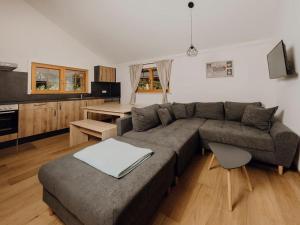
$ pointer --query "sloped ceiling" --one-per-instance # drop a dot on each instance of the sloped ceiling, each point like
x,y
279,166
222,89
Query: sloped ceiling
x,y
127,30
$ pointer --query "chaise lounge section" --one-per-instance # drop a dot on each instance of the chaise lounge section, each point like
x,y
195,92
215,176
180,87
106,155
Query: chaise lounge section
x,y
80,194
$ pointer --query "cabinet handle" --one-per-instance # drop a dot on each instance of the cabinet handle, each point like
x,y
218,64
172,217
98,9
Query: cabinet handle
x,y
59,106
54,112
40,104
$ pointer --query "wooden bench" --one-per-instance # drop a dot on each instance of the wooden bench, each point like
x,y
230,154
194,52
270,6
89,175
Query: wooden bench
x,y
81,130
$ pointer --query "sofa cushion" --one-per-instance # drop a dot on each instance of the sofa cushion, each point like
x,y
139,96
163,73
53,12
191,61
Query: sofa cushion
x,y
210,110
235,133
164,116
179,111
172,135
259,117
169,107
190,109
181,136
145,118
234,110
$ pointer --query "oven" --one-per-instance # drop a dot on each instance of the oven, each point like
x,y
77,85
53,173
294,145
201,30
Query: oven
x,y
8,119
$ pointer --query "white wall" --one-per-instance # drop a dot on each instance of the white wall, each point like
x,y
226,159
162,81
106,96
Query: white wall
x,y
289,89
26,35
189,83
251,77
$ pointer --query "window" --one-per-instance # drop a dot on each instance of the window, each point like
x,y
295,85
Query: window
x,y
51,79
149,81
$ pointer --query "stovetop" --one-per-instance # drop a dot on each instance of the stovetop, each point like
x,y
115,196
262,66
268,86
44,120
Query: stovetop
x,y
9,107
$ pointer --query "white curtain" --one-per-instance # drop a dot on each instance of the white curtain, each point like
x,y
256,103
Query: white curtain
x,y
164,68
135,74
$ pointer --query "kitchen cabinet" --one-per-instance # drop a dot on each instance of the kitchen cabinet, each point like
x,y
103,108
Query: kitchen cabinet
x,y
104,74
69,111
37,118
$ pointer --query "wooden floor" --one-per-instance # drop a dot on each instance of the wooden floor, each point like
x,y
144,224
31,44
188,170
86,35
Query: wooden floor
x,y
200,198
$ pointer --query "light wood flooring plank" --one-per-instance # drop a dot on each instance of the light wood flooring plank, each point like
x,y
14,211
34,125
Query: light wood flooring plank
x,y
200,198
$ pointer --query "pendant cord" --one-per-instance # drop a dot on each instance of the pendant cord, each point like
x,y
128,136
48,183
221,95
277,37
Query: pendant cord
x,y
191,27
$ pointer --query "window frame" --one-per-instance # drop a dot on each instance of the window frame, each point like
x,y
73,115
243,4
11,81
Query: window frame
x,y
62,81
151,78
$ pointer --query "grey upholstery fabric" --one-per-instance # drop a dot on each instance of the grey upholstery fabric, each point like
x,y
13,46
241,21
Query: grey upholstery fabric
x,y
124,125
59,210
190,109
286,143
169,107
234,110
234,133
164,116
210,110
179,111
279,149
98,199
181,136
259,117
145,118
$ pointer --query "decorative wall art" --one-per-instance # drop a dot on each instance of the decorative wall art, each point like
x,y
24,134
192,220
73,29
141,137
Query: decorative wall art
x,y
219,69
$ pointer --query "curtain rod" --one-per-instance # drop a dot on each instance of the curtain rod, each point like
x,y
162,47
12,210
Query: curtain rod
x,y
144,64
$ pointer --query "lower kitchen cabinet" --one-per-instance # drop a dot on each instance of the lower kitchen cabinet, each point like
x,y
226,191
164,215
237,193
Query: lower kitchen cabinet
x,y
37,118
68,111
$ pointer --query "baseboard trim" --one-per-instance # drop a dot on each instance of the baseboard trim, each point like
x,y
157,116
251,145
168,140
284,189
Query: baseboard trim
x,y
33,138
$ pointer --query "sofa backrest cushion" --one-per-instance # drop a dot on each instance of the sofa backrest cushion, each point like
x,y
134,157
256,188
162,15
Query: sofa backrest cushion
x,y
190,109
259,117
179,111
169,107
234,110
164,116
145,118
210,110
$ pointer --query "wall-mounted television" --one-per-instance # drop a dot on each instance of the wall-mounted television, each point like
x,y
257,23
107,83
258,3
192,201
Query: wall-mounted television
x,y
277,62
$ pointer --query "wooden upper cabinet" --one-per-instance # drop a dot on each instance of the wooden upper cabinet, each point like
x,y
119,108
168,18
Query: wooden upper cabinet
x,y
104,74
52,79
37,118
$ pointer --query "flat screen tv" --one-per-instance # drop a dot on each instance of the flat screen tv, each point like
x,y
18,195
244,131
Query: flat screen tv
x,y
277,62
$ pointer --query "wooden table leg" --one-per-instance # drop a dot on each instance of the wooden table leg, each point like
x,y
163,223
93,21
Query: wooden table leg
x,y
76,136
85,114
280,170
211,161
247,177
203,151
229,190
51,213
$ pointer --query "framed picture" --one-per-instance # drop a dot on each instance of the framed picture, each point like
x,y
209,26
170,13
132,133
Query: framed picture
x,y
219,69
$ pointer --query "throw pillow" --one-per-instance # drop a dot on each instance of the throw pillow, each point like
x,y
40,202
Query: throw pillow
x,y
234,110
169,107
190,109
145,118
164,116
210,110
259,117
179,111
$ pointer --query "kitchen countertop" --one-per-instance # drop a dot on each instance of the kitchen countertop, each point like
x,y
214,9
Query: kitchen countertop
x,y
53,100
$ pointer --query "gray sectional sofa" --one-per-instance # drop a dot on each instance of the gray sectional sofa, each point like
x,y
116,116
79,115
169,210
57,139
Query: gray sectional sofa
x,y
217,122
80,194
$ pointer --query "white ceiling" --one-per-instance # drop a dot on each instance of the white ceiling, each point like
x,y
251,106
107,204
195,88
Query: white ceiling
x,y
128,30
